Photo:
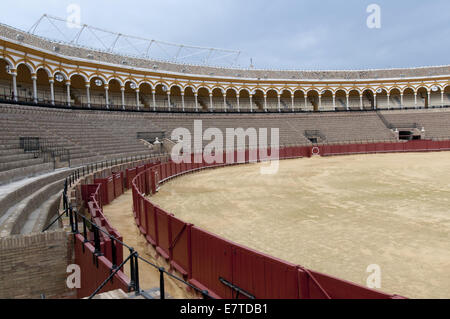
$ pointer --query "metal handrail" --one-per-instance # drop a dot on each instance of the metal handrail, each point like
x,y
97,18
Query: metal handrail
x,y
132,258
149,109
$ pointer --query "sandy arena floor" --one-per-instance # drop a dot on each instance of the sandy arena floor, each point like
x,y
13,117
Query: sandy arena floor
x,y
335,215
120,214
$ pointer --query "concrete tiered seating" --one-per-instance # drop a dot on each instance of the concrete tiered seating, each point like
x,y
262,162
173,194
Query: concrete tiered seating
x,y
436,122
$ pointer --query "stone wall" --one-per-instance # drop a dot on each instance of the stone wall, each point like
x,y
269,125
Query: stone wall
x,y
35,265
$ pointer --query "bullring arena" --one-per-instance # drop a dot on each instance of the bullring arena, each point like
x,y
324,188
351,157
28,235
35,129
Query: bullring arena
x,y
86,179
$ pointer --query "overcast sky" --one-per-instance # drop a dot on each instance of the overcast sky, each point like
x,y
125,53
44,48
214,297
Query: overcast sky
x,y
282,34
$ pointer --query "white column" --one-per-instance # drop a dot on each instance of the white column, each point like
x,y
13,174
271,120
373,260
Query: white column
x,y
293,105
137,99
265,102
107,96
14,78
361,106
211,106
279,103
34,79
122,91
401,100
88,94
52,91
389,101
196,101
334,100
415,99
306,102
429,99
442,98
154,100
238,106
348,101
251,103
182,101
68,92
168,100
320,101
224,101
375,101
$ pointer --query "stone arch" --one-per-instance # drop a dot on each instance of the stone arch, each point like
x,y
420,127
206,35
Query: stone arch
x,y
354,98
24,81
422,97
435,95
146,94
258,99
299,99
313,100
175,96
203,98
6,79
395,97
78,89
27,64
272,99
368,95
9,61
189,97
231,98
446,90
382,98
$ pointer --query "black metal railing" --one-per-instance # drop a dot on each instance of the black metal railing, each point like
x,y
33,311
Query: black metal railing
x,y
42,147
7,99
133,258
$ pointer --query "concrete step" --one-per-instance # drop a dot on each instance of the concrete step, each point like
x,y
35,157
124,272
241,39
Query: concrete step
x,y
16,157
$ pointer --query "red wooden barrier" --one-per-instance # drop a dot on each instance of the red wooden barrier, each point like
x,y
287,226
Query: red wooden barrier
x,y
142,216
95,270
151,231
314,285
280,278
131,174
118,184
206,271
180,250
108,189
91,191
163,233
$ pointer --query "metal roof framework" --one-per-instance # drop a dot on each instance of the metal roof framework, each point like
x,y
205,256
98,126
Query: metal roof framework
x,y
60,30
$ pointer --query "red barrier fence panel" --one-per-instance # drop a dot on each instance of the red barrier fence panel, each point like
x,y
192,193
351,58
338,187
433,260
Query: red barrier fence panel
x,y
314,285
108,189
131,174
95,270
211,260
155,180
142,216
379,147
262,276
163,232
142,182
88,191
148,182
189,167
445,145
180,250
159,169
118,184
151,223
140,169
173,168
169,169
